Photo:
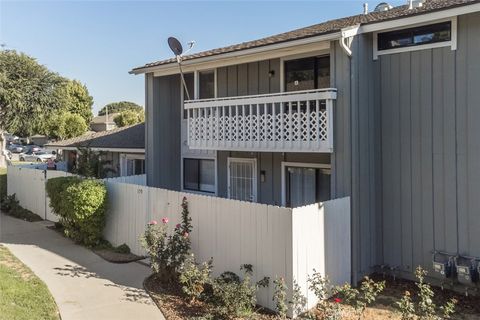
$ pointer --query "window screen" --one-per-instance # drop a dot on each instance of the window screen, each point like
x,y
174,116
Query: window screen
x,y
199,175
433,33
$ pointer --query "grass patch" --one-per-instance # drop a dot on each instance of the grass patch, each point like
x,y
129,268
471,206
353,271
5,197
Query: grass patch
x,y
22,295
3,182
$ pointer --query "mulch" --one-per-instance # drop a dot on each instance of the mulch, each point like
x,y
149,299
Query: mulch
x,y
171,301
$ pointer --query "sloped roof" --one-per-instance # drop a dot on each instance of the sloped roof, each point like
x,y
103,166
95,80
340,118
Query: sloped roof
x,y
132,137
331,26
103,119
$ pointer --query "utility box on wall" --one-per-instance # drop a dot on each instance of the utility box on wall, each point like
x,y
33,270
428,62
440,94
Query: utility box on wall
x,y
443,265
467,270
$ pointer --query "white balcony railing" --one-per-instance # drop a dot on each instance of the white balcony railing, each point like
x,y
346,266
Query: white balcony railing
x,y
299,121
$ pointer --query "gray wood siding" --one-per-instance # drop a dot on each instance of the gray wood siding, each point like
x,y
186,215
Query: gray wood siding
x,y
356,158
430,150
249,78
163,131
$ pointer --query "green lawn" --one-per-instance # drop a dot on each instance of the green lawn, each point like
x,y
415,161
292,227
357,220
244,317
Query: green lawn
x,y
22,295
3,182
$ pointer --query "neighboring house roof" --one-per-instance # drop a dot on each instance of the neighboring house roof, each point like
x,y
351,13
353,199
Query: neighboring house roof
x,y
132,137
103,119
324,28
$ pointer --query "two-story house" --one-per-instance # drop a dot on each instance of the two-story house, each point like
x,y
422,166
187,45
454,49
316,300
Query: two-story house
x,y
383,107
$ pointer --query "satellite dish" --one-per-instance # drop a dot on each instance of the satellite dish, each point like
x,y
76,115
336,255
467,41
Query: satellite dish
x,y
175,46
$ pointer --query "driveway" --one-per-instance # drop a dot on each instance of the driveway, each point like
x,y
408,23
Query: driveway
x,y
84,285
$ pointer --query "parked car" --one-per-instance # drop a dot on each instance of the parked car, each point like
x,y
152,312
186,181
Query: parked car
x,y
40,156
32,148
15,148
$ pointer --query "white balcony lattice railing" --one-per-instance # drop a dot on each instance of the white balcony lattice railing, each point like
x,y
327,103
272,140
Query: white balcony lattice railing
x,y
299,121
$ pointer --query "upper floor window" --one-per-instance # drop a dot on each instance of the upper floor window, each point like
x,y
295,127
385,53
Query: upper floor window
x,y
307,73
433,33
206,84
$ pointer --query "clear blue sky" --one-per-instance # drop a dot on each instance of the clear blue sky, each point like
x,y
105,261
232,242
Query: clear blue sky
x,y
98,42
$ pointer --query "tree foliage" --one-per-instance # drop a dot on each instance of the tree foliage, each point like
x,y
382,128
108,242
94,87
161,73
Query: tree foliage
x,y
117,107
76,99
34,100
66,125
128,118
29,94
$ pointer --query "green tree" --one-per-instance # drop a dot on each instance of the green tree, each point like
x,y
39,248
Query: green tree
x,y
128,118
116,107
66,125
29,94
77,100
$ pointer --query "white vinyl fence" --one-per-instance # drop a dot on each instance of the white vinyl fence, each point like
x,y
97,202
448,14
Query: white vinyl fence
x,y
28,184
278,242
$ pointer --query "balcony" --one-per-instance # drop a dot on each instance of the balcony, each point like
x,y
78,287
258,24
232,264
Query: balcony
x,y
299,121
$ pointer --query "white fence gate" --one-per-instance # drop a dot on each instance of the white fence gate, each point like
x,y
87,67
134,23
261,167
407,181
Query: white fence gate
x,y
28,184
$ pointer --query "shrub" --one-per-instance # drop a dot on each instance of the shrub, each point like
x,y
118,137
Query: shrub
x,y
11,206
425,307
363,297
123,248
320,285
280,296
299,301
194,278
234,298
168,252
81,206
3,183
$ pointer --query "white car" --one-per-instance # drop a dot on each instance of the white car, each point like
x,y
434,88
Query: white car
x,y
39,156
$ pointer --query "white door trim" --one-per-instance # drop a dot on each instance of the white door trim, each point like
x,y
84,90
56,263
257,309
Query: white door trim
x,y
253,161
286,164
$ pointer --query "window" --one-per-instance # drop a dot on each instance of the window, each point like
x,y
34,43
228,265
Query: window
x,y
199,175
206,84
307,73
189,82
306,185
433,33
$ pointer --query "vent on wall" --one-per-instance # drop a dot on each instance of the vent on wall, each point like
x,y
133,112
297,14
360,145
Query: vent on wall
x,y
383,6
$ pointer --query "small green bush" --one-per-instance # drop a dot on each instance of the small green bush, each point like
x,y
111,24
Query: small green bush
x,y
81,206
3,183
194,278
11,206
123,248
234,298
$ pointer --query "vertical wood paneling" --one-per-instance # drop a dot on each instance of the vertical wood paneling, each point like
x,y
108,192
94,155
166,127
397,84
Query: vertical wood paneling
x,y
405,162
437,146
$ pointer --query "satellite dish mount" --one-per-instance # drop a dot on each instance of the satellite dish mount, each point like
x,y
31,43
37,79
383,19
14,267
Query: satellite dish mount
x,y
177,50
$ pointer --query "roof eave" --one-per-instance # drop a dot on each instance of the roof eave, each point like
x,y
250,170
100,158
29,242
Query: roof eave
x,y
334,35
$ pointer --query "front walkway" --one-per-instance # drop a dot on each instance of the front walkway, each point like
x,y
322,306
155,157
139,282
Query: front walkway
x,y
84,285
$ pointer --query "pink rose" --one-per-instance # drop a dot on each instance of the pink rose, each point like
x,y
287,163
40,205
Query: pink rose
x,y
165,220
185,235
178,226
153,222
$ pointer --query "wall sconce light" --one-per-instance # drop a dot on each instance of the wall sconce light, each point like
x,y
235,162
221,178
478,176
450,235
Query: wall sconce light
x,y
271,73
262,175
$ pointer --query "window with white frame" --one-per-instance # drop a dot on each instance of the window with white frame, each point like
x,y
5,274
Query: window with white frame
x,y
199,175
132,164
434,35
206,84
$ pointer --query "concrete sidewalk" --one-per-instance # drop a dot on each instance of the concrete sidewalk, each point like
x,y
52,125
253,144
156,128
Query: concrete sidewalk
x,y
84,285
